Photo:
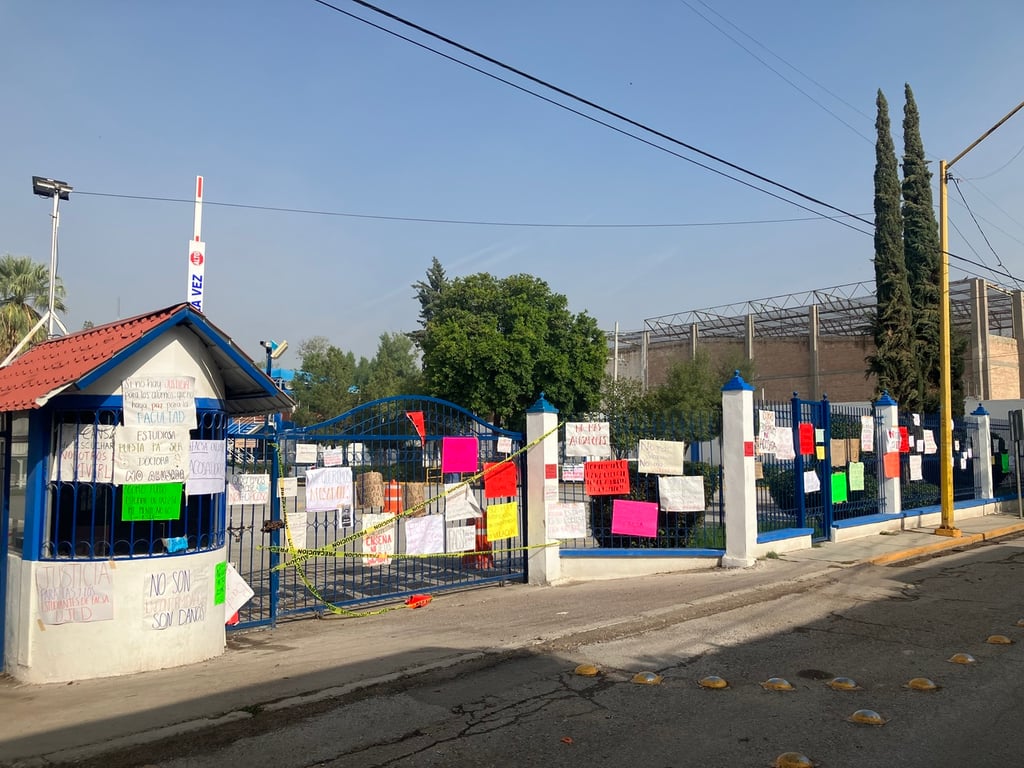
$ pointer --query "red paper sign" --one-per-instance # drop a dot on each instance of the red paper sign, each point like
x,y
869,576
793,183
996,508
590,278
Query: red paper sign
x,y
748,447
550,471
806,439
904,440
416,417
606,478
634,518
891,465
500,480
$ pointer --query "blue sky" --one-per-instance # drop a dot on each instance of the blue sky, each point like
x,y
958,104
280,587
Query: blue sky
x,y
291,104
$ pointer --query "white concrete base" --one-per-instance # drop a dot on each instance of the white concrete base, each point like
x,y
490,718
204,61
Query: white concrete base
x,y
730,561
869,529
780,547
600,568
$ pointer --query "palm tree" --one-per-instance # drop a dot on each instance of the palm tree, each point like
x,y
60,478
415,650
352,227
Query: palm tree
x,y
24,296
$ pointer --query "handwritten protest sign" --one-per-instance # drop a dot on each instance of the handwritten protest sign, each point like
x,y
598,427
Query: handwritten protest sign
x,y
606,478
572,473
205,467
328,488
157,501
159,401
237,591
856,475
459,454
461,538
334,457
502,521
305,453
75,593
660,457
567,520
681,494
500,480
424,535
176,596
806,432
151,455
634,518
86,454
588,438
460,503
249,489
378,543
287,487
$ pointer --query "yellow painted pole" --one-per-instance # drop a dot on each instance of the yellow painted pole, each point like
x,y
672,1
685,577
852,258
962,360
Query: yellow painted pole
x,y
947,527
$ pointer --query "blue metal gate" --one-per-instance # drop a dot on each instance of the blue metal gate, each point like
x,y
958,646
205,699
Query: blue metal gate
x,y
379,442
814,509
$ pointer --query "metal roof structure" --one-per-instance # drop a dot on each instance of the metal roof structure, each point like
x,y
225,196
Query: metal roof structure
x,y
843,310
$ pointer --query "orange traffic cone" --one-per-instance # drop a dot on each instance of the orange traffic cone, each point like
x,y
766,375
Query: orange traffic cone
x,y
393,498
482,557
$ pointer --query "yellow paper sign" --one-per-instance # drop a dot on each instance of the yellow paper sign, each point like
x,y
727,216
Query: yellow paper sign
x,y
502,521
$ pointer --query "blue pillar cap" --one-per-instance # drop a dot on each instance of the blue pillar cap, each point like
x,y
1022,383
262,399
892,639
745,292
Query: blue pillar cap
x,y
885,399
736,383
542,406
979,411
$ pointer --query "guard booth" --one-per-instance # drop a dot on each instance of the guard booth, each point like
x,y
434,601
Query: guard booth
x,y
112,532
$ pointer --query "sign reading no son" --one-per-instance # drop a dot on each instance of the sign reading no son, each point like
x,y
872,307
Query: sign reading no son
x,y
153,501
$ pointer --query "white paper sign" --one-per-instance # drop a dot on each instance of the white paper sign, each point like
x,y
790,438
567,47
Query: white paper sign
x,y
930,445
75,593
867,433
424,535
660,457
356,455
461,538
334,457
86,454
381,541
151,455
551,493
159,401
249,489
295,534
504,445
811,481
915,467
305,453
784,448
328,488
205,467
892,441
572,473
567,521
766,432
681,494
287,487
460,503
588,438
236,592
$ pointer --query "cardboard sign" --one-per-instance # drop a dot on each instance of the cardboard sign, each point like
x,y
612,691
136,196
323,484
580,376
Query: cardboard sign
x,y
606,478
500,480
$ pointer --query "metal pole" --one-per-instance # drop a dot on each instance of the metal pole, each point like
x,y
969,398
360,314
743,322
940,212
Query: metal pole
x,y
53,266
615,362
947,526
1016,471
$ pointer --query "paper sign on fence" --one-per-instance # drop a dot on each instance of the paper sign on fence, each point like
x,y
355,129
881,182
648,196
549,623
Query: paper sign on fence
x,y
567,520
812,482
459,454
424,535
502,521
660,457
635,518
681,494
206,467
249,489
378,543
856,470
305,453
460,503
461,538
328,488
588,438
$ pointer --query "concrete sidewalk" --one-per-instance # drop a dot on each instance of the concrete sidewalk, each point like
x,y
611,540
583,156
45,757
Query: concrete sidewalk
x,y
309,660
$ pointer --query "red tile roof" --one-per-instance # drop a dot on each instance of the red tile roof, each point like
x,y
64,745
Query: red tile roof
x,y
55,364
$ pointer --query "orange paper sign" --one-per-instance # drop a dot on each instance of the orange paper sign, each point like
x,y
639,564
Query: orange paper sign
x,y
891,464
606,478
499,480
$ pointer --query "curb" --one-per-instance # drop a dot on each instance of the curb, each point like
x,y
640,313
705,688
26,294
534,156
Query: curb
x,y
946,543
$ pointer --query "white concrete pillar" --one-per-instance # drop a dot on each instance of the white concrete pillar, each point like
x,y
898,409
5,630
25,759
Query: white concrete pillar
x,y
740,495
543,564
888,489
980,431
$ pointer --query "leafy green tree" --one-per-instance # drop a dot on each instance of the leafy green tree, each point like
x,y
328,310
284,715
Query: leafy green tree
x,y
428,293
394,369
894,362
695,386
322,387
493,345
921,251
24,297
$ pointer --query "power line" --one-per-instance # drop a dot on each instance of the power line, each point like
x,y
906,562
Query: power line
x,y
1000,168
467,222
773,69
590,104
999,261
998,208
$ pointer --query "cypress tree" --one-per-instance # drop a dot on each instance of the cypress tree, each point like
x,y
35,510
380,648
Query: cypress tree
x,y
921,251
893,363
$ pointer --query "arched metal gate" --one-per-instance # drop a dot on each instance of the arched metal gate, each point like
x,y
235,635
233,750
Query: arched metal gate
x,y
380,443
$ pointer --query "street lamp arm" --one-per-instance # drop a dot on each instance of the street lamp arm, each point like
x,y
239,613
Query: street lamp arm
x,y
986,134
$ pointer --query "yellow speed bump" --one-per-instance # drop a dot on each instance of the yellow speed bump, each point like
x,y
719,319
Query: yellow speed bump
x,y
921,684
647,678
962,658
778,684
792,760
867,717
843,684
998,640
586,670
713,682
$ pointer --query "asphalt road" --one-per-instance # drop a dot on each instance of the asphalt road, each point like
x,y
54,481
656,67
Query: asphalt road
x,y
880,626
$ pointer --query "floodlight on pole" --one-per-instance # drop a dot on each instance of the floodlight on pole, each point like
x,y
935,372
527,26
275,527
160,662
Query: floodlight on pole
x,y
947,526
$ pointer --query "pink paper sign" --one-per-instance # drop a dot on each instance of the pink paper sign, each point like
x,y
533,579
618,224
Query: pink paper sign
x,y
459,454
635,518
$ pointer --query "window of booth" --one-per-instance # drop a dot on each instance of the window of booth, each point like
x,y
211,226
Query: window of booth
x,y
85,517
18,471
